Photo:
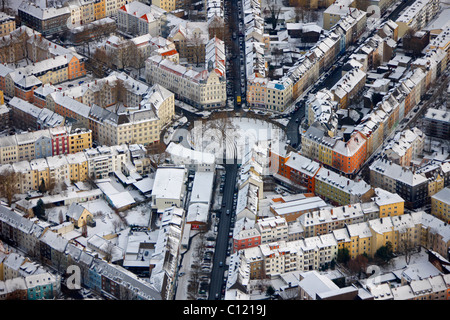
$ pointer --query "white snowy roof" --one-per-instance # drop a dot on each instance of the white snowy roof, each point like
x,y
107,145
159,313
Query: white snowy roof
x,y
169,182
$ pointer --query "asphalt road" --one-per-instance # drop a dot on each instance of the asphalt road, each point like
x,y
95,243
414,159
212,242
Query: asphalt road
x,y
218,279
292,132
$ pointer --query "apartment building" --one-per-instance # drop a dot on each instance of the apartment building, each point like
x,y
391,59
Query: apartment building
x,y
105,160
410,184
300,170
272,229
78,166
437,123
417,15
7,24
40,171
365,237
336,11
201,89
46,20
246,238
348,87
389,204
96,273
137,18
109,128
58,169
349,156
440,205
26,116
320,107
405,147
168,5
190,41
340,190
81,12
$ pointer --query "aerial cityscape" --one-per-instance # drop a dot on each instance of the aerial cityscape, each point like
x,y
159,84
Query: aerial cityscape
x,y
238,150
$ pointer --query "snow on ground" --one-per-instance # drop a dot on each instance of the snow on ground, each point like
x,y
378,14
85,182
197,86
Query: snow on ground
x,y
240,136
139,216
399,262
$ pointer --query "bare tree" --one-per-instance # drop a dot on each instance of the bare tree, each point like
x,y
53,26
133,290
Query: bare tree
x,y
120,92
98,62
358,265
197,46
218,28
117,225
139,58
109,250
406,246
274,11
9,184
60,217
5,6
124,54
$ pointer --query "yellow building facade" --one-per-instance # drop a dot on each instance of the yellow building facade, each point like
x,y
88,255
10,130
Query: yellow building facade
x,y
79,140
440,205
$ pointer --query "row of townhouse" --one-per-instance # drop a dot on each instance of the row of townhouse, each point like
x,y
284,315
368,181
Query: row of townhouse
x,y
312,253
278,94
400,100
26,43
44,286
23,279
93,162
255,40
323,221
317,221
311,175
415,185
27,116
319,142
430,288
44,143
117,108
50,64
51,19
379,123
22,82
346,151
37,240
